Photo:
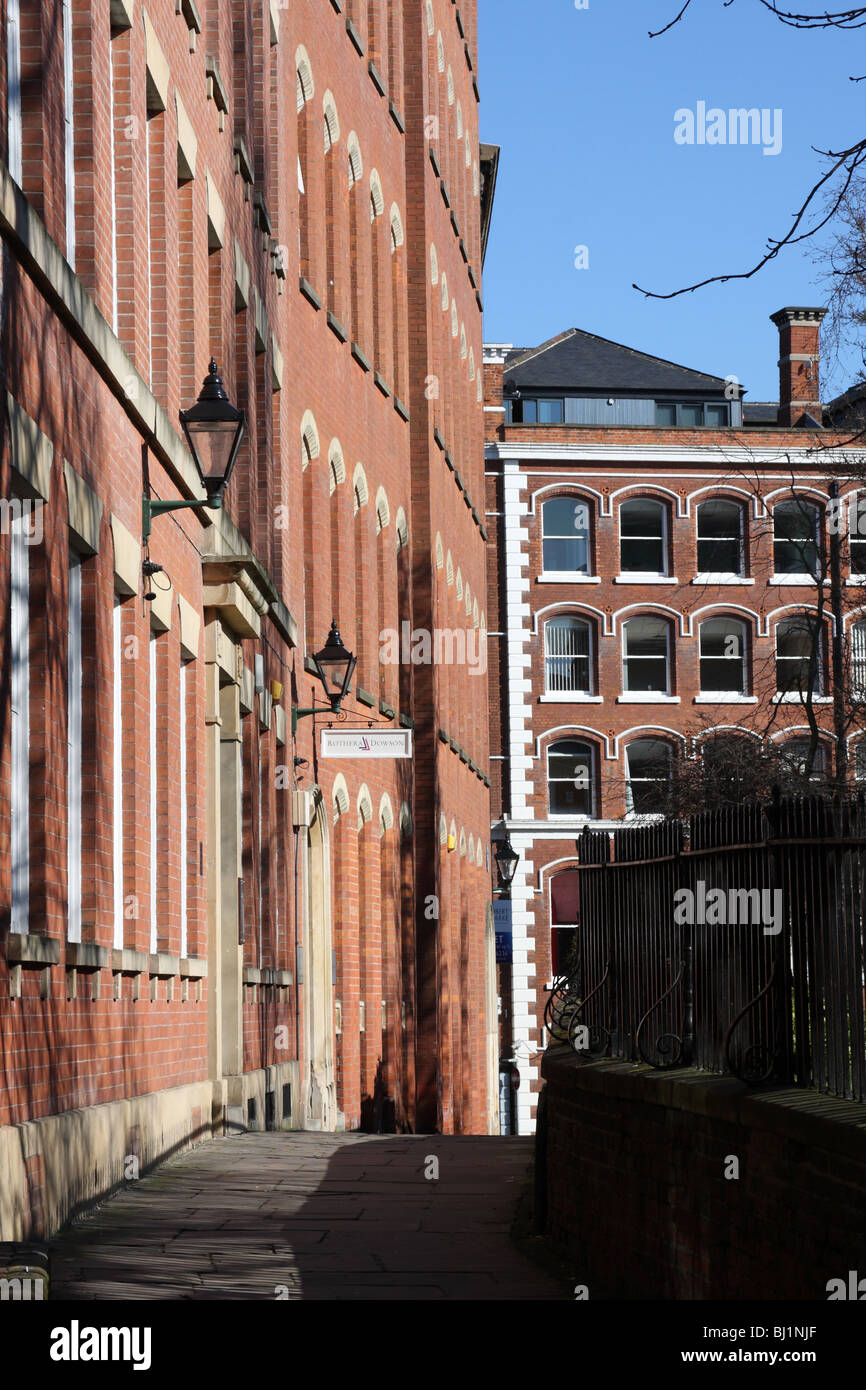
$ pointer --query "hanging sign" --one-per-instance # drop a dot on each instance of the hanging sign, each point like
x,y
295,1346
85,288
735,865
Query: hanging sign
x,y
366,743
502,928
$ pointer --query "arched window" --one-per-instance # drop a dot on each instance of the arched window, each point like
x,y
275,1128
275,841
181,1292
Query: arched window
x,y
795,537
858,661
860,761
356,266
331,121
795,759
648,776
571,778
565,536
434,266
449,83
440,52
723,657
333,176
643,537
353,156
799,650
304,91
383,511
445,300
720,537
564,918
431,25
646,656
567,656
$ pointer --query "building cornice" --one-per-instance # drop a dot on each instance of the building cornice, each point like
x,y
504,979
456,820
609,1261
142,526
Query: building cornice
x,y
661,455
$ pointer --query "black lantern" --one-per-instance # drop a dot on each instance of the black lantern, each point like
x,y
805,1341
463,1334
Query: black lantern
x,y
506,864
214,429
334,667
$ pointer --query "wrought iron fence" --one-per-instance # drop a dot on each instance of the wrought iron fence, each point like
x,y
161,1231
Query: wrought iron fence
x,y
732,941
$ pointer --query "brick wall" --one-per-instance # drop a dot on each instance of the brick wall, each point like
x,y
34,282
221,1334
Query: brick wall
x,y
639,1202
189,225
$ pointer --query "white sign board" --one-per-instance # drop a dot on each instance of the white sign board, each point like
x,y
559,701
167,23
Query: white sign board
x,y
366,743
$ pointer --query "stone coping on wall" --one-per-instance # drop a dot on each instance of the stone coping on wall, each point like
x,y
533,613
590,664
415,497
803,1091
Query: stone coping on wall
x,y
808,1117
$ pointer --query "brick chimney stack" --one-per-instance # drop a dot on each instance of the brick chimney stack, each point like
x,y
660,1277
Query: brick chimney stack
x,y
799,388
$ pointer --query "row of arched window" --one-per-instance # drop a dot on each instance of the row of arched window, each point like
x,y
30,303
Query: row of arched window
x,y
645,549
725,656
468,848
445,562
457,327
363,267
449,133
573,773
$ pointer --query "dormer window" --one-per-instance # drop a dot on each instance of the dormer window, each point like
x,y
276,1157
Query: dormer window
x,y
684,415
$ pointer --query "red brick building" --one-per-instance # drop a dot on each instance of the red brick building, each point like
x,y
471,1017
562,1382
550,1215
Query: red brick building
x,y
205,922
656,565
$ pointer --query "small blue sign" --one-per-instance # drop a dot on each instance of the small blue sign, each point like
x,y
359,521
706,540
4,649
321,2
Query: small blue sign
x,y
502,928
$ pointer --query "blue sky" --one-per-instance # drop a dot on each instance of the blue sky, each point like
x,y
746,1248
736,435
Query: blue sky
x,y
582,103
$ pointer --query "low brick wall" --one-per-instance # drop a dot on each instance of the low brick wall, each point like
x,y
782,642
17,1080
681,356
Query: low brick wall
x,y
637,1197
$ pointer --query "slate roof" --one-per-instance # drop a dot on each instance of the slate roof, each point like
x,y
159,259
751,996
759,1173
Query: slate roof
x,y
760,412
575,361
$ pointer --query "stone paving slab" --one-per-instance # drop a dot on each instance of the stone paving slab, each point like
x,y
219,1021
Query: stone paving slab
x,y
334,1217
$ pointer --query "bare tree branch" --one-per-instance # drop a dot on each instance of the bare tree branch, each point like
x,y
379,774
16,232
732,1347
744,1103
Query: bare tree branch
x,y
851,159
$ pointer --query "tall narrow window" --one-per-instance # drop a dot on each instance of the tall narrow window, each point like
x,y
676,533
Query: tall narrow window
x,y
799,650
857,532
333,229
152,757
565,536
570,779
723,656
643,537
858,661
69,130
567,656
117,788
13,89
648,776
564,917
73,751
720,537
356,169
795,537
376,208
20,733
184,807
304,92
646,656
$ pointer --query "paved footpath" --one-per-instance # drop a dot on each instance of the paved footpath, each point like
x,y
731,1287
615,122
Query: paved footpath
x,y
311,1216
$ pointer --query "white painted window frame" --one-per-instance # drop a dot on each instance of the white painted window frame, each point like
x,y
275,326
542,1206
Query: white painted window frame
x,y
14,127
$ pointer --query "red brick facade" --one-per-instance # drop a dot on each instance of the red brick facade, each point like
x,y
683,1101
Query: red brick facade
x,y
601,469
193,133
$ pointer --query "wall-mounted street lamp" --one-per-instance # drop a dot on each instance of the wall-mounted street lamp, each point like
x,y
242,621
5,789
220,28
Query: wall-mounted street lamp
x,y
214,429
335,666
506,864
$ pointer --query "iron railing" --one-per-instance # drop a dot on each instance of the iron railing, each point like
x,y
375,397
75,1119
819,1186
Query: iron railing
x,y
732,941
